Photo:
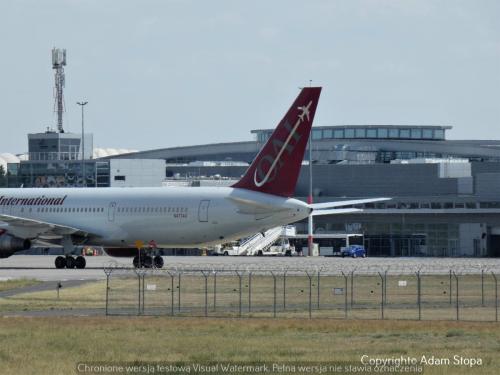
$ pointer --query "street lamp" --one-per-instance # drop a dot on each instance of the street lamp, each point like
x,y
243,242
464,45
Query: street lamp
x,y
310,224
82,104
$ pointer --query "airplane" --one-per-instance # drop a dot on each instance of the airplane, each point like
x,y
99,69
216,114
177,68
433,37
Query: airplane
x,y
121,219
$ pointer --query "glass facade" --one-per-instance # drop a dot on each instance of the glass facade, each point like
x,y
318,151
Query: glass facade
x,y
58,146
360,133
338,133
419,239
58,174
370,132
317,134
349,133
328,133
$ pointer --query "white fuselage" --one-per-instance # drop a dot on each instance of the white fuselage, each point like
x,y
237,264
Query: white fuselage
x,y
171,217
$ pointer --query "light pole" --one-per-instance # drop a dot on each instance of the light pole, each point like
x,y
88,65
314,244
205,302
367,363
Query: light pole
x,y
310,224
310,241
82,104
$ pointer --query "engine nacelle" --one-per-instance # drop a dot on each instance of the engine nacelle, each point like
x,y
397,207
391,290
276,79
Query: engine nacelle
x,y
121,252
10,244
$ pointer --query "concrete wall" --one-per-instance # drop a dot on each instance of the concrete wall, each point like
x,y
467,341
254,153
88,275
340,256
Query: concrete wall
x,y
394,180
137,172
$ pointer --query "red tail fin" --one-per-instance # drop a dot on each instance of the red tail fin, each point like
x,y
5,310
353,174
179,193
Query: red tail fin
x,y
276,168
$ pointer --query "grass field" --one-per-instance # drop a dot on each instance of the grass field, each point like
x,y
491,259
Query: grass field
x,y
56,345
17,283
89,295
265,295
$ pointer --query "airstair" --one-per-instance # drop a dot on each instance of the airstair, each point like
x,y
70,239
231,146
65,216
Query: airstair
x,y
259,243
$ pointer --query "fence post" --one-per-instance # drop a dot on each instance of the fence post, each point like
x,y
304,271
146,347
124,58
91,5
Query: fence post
x,y
382,297
107,271
352,288
171,293
456,281
239,307
143,294
249,291
450,287
419,296
139,294
385,287
215,290
284,290
496,296
274,294
482,287
139,272
318,289
179,295
310,293
345,294
205,275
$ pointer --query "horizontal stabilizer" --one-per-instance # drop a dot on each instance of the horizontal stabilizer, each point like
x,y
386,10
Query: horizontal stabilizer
x,y
320,206
336,211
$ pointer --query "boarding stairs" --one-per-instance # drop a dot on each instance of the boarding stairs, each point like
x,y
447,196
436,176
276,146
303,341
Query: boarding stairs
x,y
259,242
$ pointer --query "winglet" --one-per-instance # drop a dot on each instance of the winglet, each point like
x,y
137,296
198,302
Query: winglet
x,y
276,168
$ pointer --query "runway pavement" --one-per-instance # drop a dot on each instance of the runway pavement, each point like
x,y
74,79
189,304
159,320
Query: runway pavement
x,y
41,267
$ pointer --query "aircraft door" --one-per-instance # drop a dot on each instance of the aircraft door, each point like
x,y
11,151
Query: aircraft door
x,y
203,211
111,211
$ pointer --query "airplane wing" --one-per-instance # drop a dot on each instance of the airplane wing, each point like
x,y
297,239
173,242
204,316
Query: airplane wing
x,y
319,206
31,228
335,211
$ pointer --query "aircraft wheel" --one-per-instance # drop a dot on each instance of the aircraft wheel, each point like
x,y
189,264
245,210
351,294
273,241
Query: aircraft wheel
x,y
158,261
80,262
70,262
60,262
148,261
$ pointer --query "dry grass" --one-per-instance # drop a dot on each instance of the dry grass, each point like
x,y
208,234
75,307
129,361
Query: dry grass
x,y
17,283
54,346
401,302
90,295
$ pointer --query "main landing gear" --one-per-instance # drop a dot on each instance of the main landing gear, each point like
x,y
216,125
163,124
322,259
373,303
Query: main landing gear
x,y
147,261
70,262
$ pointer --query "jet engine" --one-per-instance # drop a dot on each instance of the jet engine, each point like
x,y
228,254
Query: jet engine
x,y
10,244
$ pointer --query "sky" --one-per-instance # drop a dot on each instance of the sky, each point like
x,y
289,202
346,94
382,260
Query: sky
x,y
179,72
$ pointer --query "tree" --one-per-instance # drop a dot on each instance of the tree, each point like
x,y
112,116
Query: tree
x,y
3,179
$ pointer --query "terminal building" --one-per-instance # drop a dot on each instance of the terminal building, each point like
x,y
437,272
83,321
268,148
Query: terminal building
x,y
445,193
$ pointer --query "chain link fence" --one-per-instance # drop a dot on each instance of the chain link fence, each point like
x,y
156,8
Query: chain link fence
x,y
459,294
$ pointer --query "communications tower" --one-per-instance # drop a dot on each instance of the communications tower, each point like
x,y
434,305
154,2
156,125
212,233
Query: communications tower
x,y
58,63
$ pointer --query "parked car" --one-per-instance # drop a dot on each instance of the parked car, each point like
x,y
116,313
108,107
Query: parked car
x,y
353,251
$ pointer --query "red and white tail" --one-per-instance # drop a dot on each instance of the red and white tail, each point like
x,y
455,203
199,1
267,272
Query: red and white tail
x,y
276,168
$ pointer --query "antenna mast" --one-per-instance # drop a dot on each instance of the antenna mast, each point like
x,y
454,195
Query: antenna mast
x,y
58,63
